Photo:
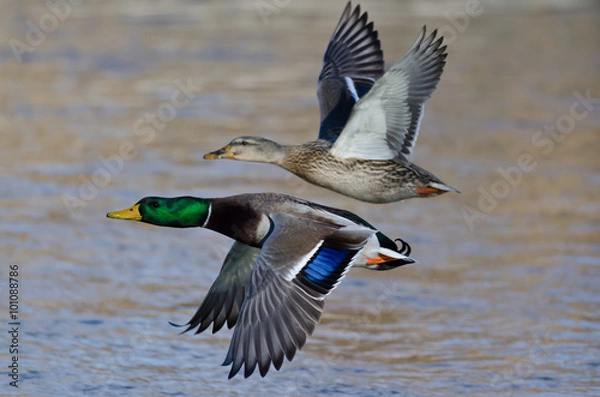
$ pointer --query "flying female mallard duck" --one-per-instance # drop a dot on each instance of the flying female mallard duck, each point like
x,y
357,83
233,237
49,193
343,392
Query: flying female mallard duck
x,y
368,127
288,256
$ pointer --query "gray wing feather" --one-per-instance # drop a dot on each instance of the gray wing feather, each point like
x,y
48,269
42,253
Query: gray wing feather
x,y
224,298
424,64
282,308
384,124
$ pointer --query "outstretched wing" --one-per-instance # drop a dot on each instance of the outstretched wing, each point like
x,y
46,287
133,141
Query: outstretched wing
x,y
352,63
224,298
300,263
385,123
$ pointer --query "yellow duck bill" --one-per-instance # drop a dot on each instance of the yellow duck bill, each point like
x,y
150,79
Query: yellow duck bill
x,y
129,214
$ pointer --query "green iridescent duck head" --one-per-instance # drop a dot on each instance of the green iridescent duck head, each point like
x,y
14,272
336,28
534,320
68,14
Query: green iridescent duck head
x,y
177,212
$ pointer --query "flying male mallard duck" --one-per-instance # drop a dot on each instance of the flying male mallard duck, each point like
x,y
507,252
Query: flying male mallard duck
x,y
288,256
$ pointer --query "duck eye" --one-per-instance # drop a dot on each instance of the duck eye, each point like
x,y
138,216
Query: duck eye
x,y
244,143
154,204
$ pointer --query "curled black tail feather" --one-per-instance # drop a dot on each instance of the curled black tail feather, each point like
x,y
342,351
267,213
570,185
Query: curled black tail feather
x,y
405,249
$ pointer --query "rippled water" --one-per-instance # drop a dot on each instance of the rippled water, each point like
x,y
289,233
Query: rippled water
x,y
505,300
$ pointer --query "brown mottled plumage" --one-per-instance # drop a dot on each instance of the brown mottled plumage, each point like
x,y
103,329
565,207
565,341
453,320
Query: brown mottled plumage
x,y
372,181
381,181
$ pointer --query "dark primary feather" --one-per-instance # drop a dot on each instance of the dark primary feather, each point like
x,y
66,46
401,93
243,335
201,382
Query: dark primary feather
x,y
224,298
354,52
354,49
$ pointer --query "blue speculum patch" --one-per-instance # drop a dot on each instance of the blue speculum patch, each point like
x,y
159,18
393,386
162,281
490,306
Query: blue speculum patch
x,y
325,267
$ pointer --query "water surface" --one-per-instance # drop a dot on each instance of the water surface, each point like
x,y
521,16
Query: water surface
x,y
505,300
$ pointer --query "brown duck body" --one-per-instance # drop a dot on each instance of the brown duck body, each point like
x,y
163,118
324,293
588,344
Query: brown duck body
x,y
372,181
367,131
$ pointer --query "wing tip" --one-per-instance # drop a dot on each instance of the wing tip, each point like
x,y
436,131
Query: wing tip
x,y
347,45
189,325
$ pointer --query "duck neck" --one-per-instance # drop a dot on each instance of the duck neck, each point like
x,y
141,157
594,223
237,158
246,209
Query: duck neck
x,y
279,154
236,218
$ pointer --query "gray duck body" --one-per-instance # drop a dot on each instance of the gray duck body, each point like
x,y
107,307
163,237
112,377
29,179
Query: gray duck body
x,y
245,217
364,153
